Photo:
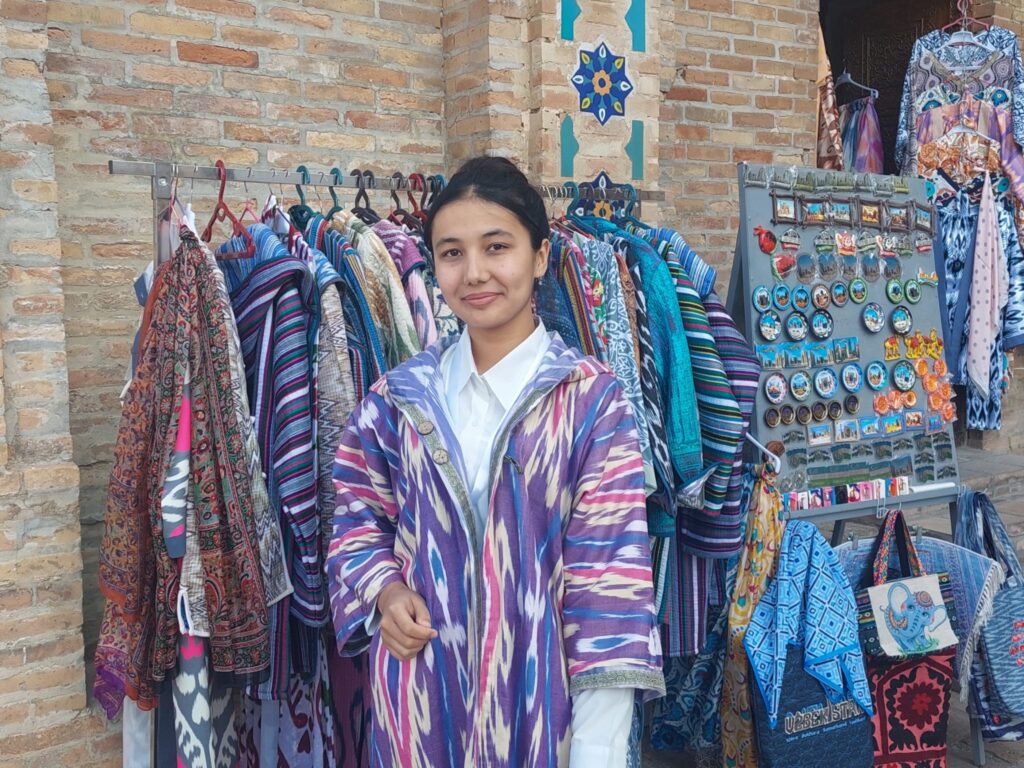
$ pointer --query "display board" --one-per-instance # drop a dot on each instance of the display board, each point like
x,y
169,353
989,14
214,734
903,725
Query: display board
x,y
834,282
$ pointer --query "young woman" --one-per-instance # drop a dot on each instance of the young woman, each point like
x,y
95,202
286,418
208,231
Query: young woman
x,y
490,540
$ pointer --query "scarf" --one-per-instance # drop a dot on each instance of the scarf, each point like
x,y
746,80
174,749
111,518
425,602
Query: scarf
x,y
764,535
989,293
809,604
138,642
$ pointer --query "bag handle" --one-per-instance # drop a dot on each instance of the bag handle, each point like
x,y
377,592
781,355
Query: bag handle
x,y
896,531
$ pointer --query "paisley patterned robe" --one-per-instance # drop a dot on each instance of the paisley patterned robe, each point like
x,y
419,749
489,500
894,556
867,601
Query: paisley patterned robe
x,y
557,600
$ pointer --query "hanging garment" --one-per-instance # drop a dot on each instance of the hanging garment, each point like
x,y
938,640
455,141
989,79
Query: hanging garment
x,y
830,141
276,303
138,643
862,136
410,266
989,286
809,603
204,711
757,559
492,717
961,70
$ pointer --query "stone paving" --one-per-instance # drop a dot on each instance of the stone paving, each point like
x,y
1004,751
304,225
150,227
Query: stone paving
x,y
1001,476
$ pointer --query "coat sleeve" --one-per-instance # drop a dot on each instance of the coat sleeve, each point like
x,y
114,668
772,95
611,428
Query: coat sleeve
x,y
608,620
360,558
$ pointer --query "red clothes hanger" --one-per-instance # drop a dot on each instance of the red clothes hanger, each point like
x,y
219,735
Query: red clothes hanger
x,y
221,213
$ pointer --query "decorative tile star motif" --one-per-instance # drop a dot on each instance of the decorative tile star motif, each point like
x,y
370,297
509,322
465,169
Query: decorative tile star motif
x,y
602,83
606,209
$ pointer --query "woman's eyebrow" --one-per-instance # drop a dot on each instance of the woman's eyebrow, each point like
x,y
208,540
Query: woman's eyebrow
x,y
446,241
497,233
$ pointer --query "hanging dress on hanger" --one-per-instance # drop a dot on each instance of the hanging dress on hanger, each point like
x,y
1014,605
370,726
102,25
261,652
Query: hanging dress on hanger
x,y
862,136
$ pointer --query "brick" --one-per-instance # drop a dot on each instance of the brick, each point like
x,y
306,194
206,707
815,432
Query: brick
x,y
127,149
218,55
777,103
753,11
263,134
704,77
150,98
133,44
84,65
22,69
172,26
230,155
35,190
403,102
300,18
697,114
61,90
377,76
12,598
375,122
753,119
708,42
753,48
163,125
41,247
235,8
10,160
201,103
686,93
80,118
179,75
415,13
350,7
732,98
732,63
239,81
82,13
24,10
707,152
731,25
775,32
301,113
258,38
122,250
692,132
340,140
350,50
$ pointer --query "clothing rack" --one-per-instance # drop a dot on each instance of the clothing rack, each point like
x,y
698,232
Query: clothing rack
x,y
163,175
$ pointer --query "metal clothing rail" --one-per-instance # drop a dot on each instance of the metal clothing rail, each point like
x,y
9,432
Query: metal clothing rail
x,y
163,175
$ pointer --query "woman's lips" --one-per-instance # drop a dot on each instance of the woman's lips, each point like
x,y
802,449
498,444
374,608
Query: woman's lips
x,y
480,299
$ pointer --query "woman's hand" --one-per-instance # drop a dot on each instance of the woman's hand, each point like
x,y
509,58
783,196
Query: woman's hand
x,y
405,622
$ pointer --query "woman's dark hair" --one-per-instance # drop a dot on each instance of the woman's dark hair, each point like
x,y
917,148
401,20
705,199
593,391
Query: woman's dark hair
x,y
495,180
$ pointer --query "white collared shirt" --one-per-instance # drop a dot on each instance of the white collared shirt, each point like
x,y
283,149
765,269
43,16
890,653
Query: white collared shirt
x,y
478,405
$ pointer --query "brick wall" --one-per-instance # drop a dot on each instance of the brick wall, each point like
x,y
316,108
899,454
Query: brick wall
x,y
738,84
43,715
347,83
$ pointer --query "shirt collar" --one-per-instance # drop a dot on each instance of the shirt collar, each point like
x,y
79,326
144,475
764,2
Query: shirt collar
x,y
510,375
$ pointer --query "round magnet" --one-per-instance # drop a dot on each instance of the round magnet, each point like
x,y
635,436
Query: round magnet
x,y
895,398
796,326
881,404
892,268
903,376
790,240
781,297
819,411
821,324
912,291
870,267
825,241
852,404
825,383
946,390
840,293
894,290
800,385
821,297
930,382
772,417
787,414
902,321
940,367
835,410
921,366
828,266
770,325
803,414
909,399
775,388
762,298
852,376
874,317
877,375
858,290
806,268
801,297
948,412
935,401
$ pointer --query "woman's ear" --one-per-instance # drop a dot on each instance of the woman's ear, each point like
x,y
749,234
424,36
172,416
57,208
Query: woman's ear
x,y
540,263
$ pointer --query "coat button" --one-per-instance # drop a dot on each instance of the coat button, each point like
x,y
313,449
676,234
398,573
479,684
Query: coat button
x,y
441,456
425,427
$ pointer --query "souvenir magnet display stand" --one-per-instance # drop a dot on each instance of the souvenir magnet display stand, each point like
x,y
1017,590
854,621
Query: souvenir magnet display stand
x,y
834,282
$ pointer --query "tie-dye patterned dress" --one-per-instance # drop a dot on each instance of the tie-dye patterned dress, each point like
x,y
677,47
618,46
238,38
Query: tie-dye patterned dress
x,y
553,598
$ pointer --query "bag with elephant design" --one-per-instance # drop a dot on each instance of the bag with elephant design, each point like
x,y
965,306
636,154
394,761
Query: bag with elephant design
x,y
908,631
911,614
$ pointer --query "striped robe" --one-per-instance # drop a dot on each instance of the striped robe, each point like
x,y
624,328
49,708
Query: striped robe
x,y
557,600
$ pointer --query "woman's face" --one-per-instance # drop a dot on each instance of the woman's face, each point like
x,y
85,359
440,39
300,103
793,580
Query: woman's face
x,y
485,264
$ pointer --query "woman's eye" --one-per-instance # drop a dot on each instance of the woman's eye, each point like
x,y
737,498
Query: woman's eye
x,y
498,247
450,254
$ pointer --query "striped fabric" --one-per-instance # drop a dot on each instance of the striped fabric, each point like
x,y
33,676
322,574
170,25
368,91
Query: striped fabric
x,y
410,266
366,354
702,274
575,282
274,297
525,621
